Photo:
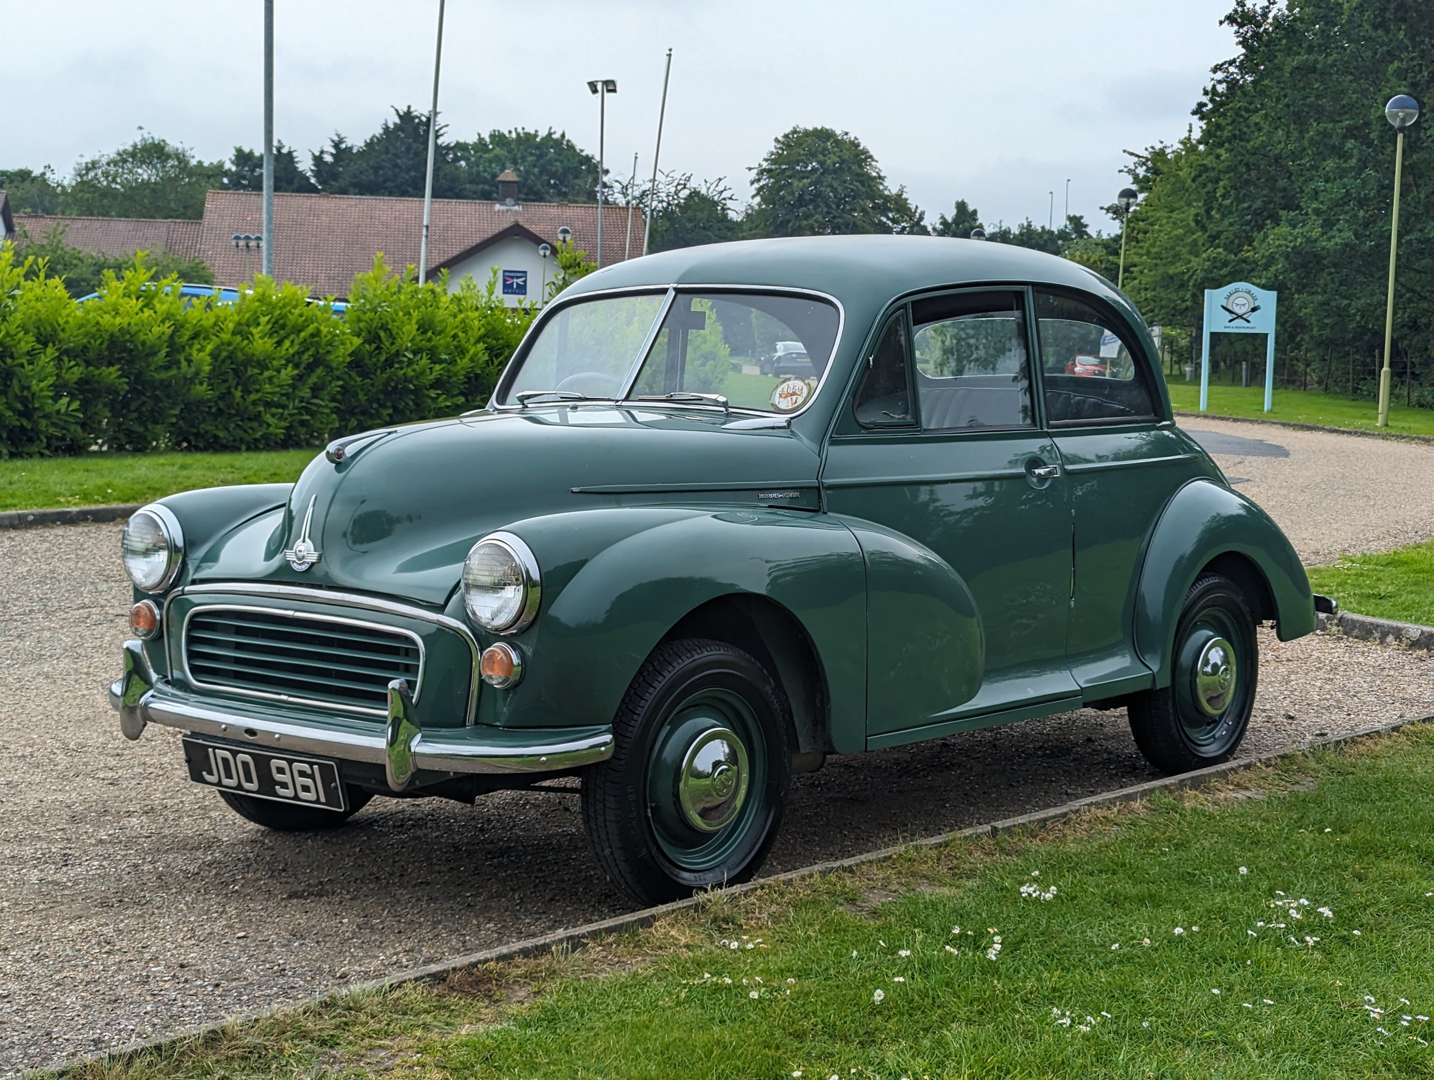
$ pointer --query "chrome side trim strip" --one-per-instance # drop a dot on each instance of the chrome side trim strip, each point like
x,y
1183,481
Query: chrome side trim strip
x,y
1127,463
310,616
321,596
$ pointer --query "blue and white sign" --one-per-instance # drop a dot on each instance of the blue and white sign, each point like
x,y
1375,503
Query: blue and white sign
x,y
515,283
1239,308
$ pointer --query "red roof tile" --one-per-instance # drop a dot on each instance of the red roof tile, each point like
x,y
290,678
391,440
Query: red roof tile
x,y
322,241
119,237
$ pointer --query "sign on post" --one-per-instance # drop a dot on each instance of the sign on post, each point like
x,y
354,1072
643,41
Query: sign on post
x,y
1239,308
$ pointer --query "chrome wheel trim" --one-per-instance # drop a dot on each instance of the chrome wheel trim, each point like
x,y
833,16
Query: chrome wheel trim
x,y
713,781
1216,677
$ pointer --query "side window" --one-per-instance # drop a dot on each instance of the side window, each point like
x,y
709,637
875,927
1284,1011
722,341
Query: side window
x,y
884,398
1089,366
972,370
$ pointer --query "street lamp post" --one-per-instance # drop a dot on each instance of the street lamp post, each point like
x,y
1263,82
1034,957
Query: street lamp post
x,y
1126,199
1401,112
602,88
544,250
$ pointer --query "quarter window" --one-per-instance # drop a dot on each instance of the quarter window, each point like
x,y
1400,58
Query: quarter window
x,y
972,370
1090,367
884,399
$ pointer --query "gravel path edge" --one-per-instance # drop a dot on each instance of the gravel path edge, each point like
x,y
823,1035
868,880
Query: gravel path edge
x,y
636,920
1363,433
1383,631
66,515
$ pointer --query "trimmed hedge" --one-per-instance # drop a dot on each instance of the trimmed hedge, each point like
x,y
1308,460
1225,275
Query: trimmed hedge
x,y
139,368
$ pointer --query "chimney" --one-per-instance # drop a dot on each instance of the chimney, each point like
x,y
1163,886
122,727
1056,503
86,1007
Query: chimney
x,y
508,187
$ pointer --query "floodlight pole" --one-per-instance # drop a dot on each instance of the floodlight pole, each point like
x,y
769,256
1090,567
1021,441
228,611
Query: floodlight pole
x,y
1386,372
657,150
267,248
432,149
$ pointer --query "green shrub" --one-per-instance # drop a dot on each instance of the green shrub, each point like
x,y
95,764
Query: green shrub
x,y
140,367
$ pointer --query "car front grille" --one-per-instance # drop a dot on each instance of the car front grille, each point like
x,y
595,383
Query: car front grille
x,y
334,663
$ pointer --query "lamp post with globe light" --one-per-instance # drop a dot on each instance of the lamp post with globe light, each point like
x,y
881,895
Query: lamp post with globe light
x,y
1126,200
1401,112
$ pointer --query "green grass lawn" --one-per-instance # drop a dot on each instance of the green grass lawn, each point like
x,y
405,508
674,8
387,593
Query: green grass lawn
x,y
1302,407
1395,584
97,479
1278,926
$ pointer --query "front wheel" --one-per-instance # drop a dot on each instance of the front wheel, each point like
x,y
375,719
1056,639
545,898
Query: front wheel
x,y
1201,717
289,817
692,797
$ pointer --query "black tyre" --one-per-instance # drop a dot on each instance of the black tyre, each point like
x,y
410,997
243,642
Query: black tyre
x,y
287,817
1201,717
693,795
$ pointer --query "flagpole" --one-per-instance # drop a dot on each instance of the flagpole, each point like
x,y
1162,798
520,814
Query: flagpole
x,y
652,191
432,147
631,200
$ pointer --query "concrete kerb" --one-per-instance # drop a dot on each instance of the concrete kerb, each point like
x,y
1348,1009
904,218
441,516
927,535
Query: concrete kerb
x,y
569,939
1384,631
67,515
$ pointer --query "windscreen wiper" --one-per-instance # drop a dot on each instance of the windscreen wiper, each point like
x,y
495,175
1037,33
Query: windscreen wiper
x,y
689,396
522,397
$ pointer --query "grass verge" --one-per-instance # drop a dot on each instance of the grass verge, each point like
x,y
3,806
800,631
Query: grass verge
x,y
1396,584
1302,407
99,479
1275,926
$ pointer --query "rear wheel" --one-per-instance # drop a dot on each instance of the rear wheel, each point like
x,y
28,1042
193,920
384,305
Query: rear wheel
x,y
692,797
287,817
1201,717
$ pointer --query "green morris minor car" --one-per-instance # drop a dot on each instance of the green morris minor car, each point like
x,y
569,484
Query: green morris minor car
x,y
647,564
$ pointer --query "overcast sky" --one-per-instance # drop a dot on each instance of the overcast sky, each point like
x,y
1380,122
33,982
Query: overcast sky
x,y
997,103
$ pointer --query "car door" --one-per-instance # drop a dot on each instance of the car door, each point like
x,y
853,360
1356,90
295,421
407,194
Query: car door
x,y
941,445
1123,459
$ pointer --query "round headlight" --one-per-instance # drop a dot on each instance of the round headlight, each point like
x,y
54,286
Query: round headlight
x,y
500,583
153,547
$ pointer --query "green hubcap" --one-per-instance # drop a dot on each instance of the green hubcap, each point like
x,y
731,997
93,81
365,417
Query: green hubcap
x,y
705,777
1215,675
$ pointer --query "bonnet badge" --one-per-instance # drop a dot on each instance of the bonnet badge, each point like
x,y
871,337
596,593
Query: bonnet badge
x,y
303,554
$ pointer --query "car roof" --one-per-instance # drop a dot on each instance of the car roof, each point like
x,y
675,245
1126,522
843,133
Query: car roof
x,y
854,269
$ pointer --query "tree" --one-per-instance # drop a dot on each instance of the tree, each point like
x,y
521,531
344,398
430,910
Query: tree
x,y
245,171
963,218
151,177
391,161
1290,189
818,181
31,191
550,166
328,165
685,212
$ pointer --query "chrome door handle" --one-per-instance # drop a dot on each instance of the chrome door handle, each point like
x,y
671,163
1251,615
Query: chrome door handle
x,y
1045,472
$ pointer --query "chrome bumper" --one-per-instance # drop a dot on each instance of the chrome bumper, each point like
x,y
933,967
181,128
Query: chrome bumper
x,y
403,749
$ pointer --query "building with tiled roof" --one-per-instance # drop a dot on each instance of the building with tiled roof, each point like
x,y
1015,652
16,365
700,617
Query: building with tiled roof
x,y
322,241
115,237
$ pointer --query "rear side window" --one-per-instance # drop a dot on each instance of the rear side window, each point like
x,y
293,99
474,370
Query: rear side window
x,y
1091,367
971,366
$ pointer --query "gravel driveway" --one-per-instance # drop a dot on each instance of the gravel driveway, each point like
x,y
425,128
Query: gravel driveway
x,y
134,904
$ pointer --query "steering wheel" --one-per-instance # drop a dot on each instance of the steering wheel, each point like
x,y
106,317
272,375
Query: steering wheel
x,y
596,383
